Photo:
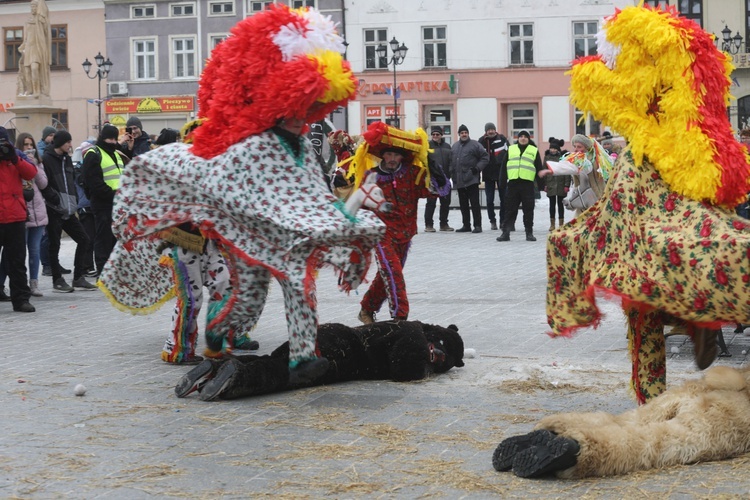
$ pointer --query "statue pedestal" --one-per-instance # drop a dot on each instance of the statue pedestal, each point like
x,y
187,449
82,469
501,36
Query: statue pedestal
x,y
33,114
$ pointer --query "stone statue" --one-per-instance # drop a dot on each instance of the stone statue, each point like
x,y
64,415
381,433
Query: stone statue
x,y
34,64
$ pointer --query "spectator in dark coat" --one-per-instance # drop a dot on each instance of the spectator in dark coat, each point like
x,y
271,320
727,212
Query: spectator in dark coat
x,y
137,141
493,176
441,155
467,160
557,187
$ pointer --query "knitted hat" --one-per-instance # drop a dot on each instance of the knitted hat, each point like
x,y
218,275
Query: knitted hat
x,y
437,129
463,128
61,137
586,141
47,131
489,126
525,134
109,132
556,143
167,136
4,134
134,121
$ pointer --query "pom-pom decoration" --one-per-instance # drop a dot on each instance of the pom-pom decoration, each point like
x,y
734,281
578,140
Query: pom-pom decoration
x,y
279,63
659,80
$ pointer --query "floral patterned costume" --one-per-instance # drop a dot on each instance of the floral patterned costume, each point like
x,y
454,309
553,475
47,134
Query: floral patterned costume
x,y
279,220
661,253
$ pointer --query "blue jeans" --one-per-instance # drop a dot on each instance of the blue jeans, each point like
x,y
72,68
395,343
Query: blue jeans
x,y
489,193
33,244
44,249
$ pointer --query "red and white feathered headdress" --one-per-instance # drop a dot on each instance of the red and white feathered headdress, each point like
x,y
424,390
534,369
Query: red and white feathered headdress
x,y
279,63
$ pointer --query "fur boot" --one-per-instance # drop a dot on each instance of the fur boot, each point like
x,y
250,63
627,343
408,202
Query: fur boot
x,y
552,224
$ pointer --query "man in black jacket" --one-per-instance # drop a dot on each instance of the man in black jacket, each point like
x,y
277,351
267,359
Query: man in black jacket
x,y
441,155
492,175
137,140
102,166
60,176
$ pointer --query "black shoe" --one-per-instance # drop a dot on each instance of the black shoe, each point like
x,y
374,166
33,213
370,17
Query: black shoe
x,y
502,459
504,237
705,347
82,284
559,454
46,271
464,229
61,286
4,297
308,372
65,271
529,236
477,230
24,308
197,377
214,387
493,226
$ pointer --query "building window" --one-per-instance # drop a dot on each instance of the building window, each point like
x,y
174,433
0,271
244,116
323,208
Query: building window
x,y
691,9
183,57
60,120
183,9
433,41
141,11
522,117
588,126
220,8
144,59
373,38
657,3
13,39
522,44
59,54
254,7
296,4
584,38
214,40
442,116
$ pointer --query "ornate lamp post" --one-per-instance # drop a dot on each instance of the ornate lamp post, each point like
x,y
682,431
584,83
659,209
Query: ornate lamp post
x,y
729,43
399,54
102,70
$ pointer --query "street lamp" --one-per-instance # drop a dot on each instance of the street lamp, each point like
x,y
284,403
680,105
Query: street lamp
x,y
102,70
399,54
729,43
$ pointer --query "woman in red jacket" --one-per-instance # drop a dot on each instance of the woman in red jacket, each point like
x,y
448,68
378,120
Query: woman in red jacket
x,y
14,169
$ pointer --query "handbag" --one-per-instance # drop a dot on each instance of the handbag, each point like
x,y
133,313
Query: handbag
x,y
580,198
28,191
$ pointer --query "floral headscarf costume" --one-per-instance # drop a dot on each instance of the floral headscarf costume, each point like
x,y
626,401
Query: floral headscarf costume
x,y
257,196
663,237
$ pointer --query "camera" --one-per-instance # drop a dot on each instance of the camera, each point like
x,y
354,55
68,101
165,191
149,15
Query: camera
x,y
129,130
7,150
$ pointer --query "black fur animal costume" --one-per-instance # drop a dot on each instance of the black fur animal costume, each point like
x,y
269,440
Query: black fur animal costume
x,y
387,350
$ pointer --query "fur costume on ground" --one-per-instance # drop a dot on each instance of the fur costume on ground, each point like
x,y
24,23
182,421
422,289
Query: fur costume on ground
x,y
663,237
701,420
388,350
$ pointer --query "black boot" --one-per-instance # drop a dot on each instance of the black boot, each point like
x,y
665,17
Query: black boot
x,y
529,235
504,237
196,378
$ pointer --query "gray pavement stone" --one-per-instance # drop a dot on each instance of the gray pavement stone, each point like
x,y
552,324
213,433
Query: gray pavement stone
x,y
129,437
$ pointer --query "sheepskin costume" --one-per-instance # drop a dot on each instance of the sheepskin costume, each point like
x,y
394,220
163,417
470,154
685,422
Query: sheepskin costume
x,y
663,238
389,350
701,420
256,192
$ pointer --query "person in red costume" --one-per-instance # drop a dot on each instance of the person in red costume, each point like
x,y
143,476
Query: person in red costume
x,y
405,175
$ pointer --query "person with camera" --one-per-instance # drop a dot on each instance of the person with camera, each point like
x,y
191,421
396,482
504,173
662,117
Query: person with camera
x,y
14,169
61,179
137,141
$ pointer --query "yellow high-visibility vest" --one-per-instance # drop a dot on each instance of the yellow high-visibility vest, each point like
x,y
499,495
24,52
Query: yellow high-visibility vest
x,y
110,170
521,166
